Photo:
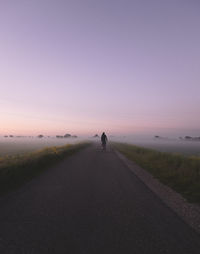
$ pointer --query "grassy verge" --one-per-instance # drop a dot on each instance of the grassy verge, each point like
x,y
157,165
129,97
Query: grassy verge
x,y
179,172
16,170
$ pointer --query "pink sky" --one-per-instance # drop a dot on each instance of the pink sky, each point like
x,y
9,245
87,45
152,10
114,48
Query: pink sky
x,y
83,67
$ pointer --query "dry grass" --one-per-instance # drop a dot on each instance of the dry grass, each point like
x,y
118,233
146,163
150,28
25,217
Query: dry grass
x,y
18,169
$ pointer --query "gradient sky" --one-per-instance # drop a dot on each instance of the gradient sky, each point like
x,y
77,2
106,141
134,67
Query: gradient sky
x,y
86,66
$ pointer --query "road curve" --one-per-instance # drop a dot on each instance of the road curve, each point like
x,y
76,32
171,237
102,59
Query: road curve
x,y
91,204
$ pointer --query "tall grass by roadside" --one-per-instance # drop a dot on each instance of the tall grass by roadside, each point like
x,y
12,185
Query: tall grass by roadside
x,y
18,169
179,172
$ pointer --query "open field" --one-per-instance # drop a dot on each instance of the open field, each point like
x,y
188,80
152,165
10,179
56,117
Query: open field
x,y
14,146
184,147
181,173
17,169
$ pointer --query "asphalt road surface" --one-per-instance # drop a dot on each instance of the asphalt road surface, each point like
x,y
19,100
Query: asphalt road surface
x,y
91,203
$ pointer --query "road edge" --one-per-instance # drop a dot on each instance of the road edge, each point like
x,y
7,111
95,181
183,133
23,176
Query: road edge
x,y
190,213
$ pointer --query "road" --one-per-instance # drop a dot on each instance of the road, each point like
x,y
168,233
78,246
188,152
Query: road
x,y
91,203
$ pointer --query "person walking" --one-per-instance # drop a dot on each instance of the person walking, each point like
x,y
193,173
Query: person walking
x,y
104,139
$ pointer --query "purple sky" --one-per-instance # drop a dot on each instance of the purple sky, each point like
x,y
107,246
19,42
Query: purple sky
x,y
86,66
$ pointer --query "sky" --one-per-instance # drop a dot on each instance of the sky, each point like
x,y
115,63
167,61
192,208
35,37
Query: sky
x,y
87,66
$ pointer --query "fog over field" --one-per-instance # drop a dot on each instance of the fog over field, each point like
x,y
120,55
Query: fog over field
x,y
172,145
14,145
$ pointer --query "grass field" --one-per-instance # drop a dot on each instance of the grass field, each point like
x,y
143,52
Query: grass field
x,y
18,169
15,146
179,172
185,147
